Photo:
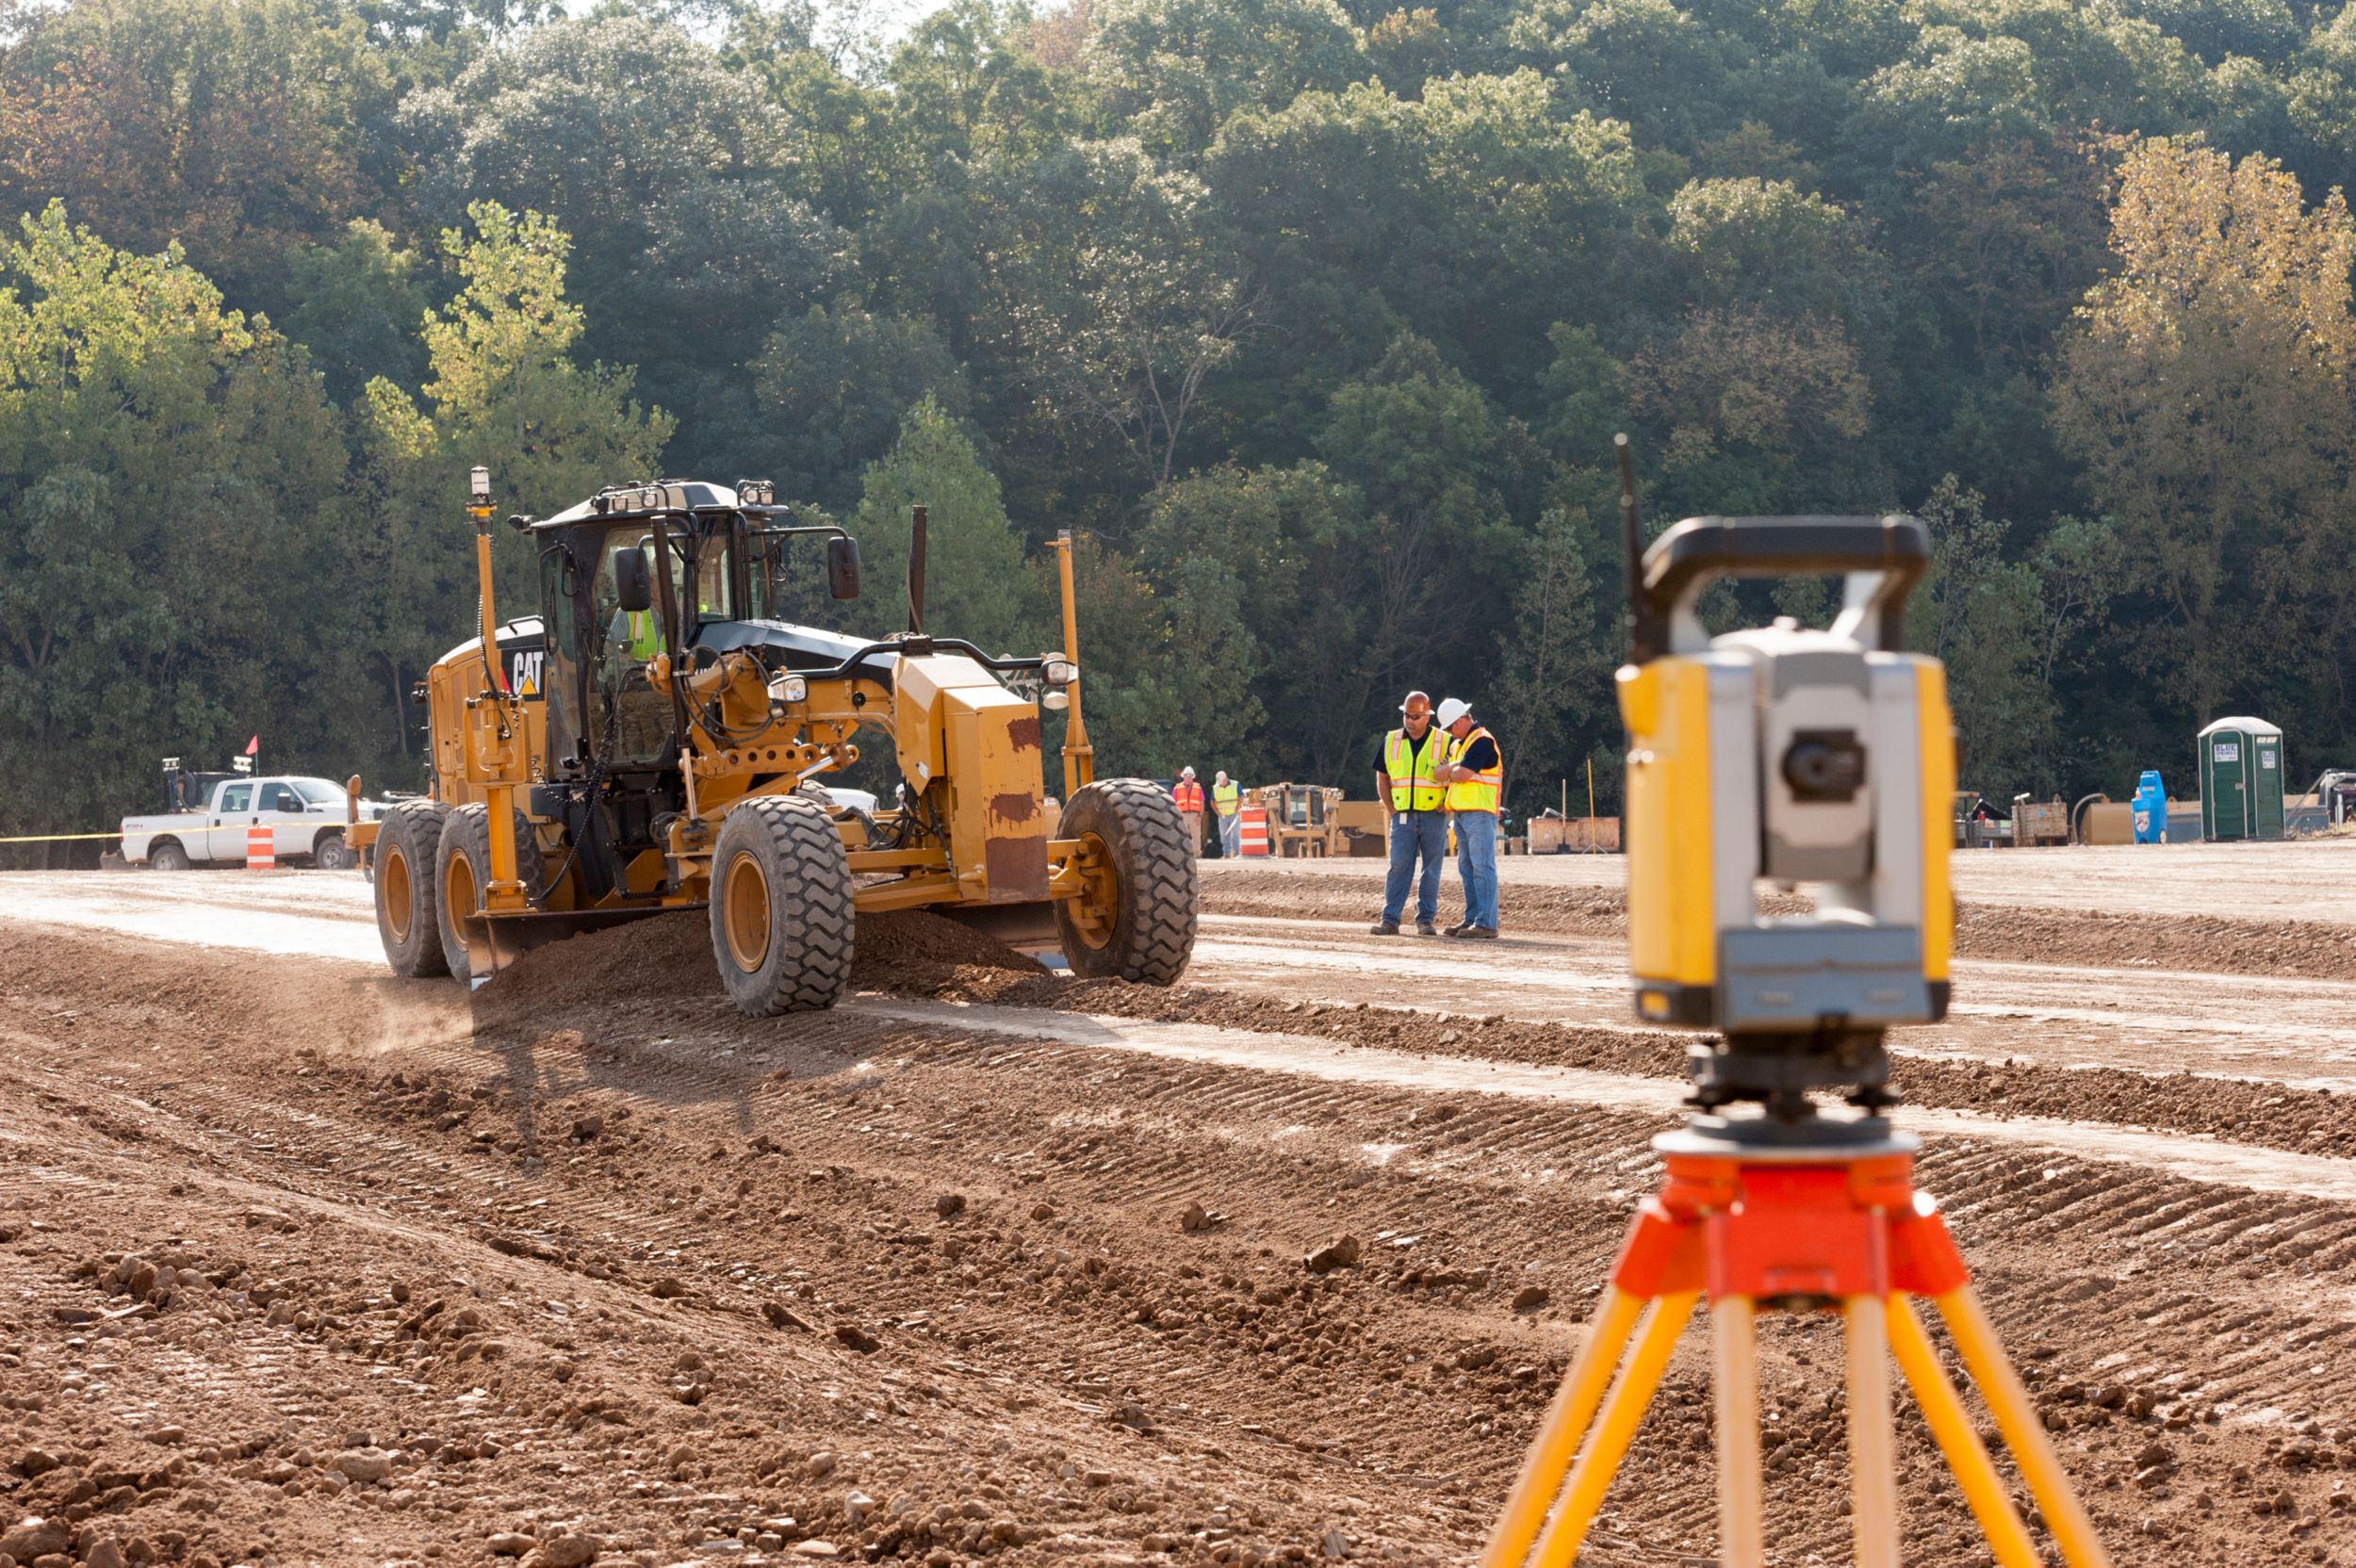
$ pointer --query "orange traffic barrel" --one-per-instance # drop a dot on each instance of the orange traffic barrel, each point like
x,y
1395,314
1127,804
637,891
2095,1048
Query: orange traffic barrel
x,y
261,851
1251,829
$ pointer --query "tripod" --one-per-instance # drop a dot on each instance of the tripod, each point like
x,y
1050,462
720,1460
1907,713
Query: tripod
x,y
1795,1213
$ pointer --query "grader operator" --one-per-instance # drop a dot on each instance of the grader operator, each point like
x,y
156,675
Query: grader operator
x,y
655,738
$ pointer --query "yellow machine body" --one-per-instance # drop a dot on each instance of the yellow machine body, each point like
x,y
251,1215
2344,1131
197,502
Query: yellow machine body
x,y
1785,757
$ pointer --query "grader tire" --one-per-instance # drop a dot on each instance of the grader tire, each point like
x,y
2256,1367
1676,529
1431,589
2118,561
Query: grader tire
x,y
1136,919
782,921
408,851
463,871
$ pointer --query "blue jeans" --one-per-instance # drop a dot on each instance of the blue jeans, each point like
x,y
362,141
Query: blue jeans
x,y
1413,835
1230,835
1477,864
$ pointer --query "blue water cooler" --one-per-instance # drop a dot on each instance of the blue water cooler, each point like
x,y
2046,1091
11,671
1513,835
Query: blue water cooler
x,y
2151,809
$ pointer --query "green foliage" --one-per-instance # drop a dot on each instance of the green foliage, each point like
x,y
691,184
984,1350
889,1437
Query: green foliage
x,y
163,463
1313,320
974,577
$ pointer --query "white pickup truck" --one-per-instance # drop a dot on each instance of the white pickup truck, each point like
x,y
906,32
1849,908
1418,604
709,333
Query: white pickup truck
x,y
306,818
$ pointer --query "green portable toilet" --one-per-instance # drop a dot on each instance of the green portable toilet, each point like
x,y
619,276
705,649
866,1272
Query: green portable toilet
x,y
2241,780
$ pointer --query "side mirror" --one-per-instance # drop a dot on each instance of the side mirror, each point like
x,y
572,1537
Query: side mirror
x,y
843,568
633,581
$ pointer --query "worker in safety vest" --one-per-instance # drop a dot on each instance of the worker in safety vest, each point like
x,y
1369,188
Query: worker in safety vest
x,y
1189,797
1474,772
1408,784
1227,807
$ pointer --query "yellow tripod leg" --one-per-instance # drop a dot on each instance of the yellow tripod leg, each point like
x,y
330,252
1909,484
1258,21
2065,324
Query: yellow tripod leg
x,y
1566,1424
2025,1435
1734,1376
2007,1537
1623,1408
1872,1464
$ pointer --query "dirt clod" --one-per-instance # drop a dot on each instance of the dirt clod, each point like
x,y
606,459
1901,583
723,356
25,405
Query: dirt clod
x,y
1339,1254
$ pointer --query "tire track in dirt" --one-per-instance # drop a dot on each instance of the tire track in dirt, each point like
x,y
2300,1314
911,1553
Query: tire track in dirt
x,y
2005,932
1405,1381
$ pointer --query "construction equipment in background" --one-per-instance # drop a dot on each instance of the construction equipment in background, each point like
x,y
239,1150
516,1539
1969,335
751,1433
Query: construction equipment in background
x,y
1304,819
1802,757
1548,833
2039,824
654,741
1364,828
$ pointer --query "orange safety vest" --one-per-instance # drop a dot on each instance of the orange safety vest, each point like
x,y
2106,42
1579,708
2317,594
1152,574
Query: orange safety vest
x,y
1189,794
1481,794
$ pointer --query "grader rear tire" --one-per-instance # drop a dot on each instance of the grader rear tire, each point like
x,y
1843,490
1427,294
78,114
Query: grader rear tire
x,y
1135,919
463,871
408,846
782,921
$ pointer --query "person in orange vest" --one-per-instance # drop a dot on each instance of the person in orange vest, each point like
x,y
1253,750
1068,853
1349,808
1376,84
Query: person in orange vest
x,y
1189,797
1408,785
1474,774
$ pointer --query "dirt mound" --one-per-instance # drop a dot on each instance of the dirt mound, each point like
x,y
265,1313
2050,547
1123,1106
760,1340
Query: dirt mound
x,y
668,958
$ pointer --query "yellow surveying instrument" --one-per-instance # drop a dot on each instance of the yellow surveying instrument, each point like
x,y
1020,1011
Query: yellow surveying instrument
x,y
1802,758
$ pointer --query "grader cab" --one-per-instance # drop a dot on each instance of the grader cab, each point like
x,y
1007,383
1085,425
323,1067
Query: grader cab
x,y
655,738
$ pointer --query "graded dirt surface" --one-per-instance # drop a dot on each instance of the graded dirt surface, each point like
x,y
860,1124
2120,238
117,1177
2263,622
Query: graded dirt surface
x,y
300,1262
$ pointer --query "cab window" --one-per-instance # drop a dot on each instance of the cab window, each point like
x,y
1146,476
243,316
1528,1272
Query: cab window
x,y
234,796
277,797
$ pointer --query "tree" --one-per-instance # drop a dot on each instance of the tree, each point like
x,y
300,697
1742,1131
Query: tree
x,y
1755,409
1177,69
2206,392
236,128
833,385
976,586
171,577
506,392
356,308
1139,304
1554,662
1980,614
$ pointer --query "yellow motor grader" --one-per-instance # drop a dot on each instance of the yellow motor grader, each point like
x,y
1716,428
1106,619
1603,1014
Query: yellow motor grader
x,y
655,739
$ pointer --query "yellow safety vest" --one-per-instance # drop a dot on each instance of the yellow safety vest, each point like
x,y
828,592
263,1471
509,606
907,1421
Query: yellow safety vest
x,y
1226,797
1412,788
1480,794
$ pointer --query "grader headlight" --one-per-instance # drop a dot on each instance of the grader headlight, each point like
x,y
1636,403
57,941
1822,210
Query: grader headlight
x,y
787,690
1059,672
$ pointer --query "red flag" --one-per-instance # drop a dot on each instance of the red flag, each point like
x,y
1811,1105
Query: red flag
x,y
253,746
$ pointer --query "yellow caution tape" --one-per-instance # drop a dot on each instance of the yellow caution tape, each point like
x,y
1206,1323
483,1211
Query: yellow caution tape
x,y
59,838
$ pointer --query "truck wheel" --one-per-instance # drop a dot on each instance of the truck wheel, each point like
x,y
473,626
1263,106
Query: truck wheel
x,y
782,924
1134,917
333,854
463,865
407,847
168,855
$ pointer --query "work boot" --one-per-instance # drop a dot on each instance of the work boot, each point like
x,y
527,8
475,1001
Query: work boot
x,y
1476,933
1384,928
1425,928
1458,929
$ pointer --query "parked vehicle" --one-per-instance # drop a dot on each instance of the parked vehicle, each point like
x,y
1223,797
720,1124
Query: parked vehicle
x,y
308,818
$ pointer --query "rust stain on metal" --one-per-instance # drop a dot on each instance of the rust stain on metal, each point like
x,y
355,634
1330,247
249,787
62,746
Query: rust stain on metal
x,y
1017,868
1023,733
1014,807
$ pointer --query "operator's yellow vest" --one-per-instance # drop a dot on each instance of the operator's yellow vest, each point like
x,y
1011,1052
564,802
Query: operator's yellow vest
x,y
1412,788
1226,797
1480,794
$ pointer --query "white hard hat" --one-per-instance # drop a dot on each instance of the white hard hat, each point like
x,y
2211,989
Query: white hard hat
x,y
1452,710
1222,773
1185,773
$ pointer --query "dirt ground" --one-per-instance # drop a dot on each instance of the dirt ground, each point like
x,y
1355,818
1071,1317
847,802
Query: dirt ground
x,y
302,1264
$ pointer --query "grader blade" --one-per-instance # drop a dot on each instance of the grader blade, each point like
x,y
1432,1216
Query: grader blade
x,y
495,941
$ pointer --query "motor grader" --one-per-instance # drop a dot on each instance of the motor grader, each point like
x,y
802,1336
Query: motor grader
x,y
655,738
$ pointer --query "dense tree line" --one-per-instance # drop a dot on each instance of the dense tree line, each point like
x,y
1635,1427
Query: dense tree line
x,y
1312,318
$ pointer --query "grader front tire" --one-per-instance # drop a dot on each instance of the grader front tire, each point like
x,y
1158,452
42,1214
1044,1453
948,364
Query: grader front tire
x,y
408,848
782,921
1134,920
463,871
